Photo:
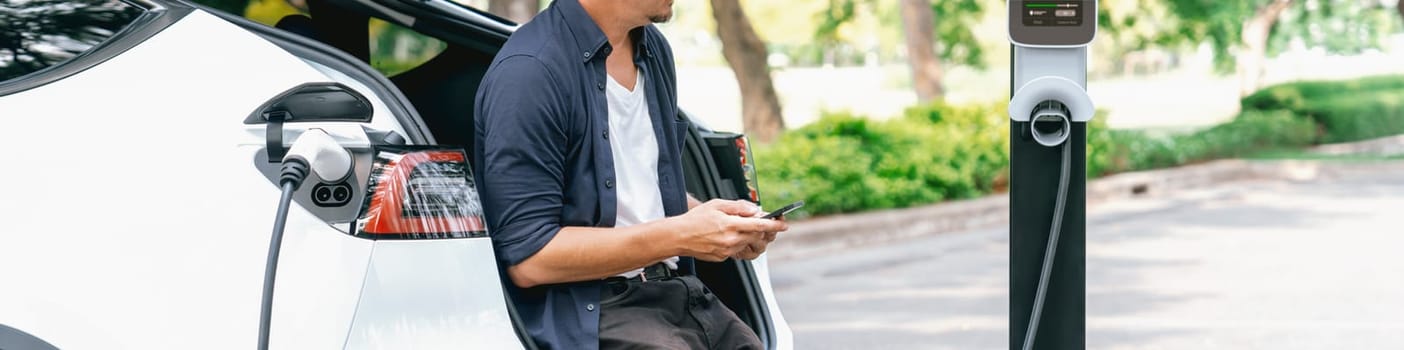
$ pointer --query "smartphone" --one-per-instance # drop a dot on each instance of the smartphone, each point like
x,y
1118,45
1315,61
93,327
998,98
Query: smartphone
x,y
783,210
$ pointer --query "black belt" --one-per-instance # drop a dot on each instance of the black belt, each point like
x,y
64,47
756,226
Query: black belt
x,y
655,272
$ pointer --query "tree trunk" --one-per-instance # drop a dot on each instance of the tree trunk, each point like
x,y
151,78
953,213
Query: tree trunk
x,y
746,53
519,11
918,25
1255,40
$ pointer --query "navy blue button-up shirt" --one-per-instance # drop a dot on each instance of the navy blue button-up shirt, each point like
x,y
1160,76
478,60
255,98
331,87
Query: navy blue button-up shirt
x,y
543,160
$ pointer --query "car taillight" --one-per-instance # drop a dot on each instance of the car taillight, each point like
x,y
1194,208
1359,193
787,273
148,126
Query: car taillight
x,y
420,193
748,169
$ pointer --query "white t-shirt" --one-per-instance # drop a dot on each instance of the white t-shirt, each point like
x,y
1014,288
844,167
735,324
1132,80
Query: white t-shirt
x,y
635,151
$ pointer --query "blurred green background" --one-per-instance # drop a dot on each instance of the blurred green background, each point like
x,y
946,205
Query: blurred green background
x,y
896,103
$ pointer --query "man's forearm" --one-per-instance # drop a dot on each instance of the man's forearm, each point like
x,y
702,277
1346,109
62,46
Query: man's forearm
x,y
590,253
713,231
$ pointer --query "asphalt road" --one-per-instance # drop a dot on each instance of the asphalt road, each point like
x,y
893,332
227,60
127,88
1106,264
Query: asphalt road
x,y
1316,264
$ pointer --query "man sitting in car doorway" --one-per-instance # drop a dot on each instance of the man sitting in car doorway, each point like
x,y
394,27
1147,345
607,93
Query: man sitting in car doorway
x,y
578,146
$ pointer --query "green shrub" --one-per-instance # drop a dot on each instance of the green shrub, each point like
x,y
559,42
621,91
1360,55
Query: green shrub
x,y
1250,132
845,163
1349,110
1358,117
1299,95
1114,151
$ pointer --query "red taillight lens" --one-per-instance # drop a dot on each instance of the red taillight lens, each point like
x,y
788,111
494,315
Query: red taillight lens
x,y
748,169
420,193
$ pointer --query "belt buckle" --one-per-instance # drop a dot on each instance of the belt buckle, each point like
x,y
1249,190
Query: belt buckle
x,y
643,274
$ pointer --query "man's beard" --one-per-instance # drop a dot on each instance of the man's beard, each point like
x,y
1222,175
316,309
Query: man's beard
x,y
661,18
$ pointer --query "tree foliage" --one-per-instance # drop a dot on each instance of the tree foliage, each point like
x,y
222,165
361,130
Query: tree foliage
x,y
1338,26
956,41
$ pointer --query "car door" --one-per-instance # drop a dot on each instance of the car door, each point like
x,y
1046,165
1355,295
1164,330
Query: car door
x,y
719,165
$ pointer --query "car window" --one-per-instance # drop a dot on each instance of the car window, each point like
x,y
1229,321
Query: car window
x,y
40,34
395,49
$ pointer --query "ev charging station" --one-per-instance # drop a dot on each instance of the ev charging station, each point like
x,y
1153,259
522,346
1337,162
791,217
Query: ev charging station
x,y
1048,110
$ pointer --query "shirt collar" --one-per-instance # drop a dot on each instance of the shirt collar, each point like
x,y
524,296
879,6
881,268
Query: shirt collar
x,y
588,35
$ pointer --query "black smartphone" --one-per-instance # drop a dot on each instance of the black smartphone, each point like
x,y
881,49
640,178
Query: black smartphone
x,y
783,210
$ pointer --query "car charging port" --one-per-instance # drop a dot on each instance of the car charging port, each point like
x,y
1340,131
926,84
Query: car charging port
x,y
331,195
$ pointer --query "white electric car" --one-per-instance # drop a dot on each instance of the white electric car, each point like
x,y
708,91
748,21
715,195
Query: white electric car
x,y
139,197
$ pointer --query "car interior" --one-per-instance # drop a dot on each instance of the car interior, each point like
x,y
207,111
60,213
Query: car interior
x,y
442,90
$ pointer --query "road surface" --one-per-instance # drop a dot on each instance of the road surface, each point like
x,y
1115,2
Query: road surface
x,y
1316,264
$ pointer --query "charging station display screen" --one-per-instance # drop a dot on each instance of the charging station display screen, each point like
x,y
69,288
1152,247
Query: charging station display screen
x,y
1052,23
1052,13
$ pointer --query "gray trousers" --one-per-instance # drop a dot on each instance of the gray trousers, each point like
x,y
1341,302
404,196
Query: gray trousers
x,y
677,313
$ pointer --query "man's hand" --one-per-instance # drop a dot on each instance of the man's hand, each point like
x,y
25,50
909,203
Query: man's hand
x,y
692,202
755,249
721,229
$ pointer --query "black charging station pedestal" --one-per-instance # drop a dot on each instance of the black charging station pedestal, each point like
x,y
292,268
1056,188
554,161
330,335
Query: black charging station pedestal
x,y
1033,183
1049,110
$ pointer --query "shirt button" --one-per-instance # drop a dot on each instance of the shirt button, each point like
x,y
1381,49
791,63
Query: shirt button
x,y
589,307
609,183
587,54
600,85
606,135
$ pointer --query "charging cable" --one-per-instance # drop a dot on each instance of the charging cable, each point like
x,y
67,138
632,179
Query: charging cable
x,y
1049,127
1051,250
1054,112
314,150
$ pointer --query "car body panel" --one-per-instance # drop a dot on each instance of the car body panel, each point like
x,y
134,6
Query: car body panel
x,y
784,337
138,219
433,294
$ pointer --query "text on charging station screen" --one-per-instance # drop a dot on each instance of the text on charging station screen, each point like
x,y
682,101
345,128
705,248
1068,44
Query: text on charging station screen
x,y
1045,13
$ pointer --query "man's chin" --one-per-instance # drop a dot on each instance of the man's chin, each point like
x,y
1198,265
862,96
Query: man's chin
x,y
663,18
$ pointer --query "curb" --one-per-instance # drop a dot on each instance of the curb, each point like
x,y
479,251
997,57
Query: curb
x,y
830,233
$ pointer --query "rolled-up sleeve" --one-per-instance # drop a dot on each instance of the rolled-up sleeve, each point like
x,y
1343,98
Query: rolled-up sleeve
x,y
519,150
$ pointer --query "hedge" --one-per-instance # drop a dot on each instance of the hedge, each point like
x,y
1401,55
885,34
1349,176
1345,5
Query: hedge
x,y
848,163
1114,151
1349,110
845,163
1299,95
